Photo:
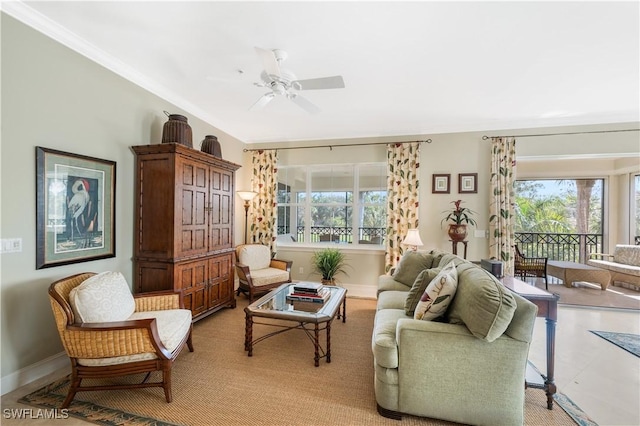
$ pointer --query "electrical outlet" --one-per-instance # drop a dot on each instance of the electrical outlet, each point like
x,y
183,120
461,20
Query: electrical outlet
x,y
301,270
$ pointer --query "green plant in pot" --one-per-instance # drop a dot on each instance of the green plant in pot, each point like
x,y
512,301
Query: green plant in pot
x,y
329,262
459,218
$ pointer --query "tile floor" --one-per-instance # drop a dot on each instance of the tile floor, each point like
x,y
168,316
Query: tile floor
x,y
599,377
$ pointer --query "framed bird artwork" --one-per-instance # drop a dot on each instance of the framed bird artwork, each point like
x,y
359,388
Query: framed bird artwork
x,y
75,203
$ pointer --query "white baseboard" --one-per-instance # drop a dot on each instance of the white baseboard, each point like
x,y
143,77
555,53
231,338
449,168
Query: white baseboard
x,y
361,291
33,372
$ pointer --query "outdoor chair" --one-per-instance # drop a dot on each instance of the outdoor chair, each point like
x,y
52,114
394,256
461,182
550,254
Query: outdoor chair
x,y
530,267
107,332
258,272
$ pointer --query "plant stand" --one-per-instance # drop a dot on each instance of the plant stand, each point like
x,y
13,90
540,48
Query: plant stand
x,y
454,247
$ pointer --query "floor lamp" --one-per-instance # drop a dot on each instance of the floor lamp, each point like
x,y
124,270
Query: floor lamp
x,y
247,196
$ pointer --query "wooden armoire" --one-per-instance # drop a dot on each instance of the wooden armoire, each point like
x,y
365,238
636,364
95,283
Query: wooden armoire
x,y
184,226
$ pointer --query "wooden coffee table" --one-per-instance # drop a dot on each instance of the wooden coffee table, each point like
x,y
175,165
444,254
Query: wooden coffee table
x,y
570,272
274,306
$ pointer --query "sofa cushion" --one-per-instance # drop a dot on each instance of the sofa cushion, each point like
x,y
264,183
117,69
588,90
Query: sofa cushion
x,y
104,297
255,256
392,299
387,283
482,304
417,289
627,254
268,276
172,325
411,264
438,295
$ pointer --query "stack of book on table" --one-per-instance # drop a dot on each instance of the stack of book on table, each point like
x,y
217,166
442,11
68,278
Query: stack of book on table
x,y
309,297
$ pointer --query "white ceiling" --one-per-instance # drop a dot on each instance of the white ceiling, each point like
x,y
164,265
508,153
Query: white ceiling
x,y
410,68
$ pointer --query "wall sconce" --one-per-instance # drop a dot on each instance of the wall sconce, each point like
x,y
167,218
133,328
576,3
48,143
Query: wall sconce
x,y
413,239
247,196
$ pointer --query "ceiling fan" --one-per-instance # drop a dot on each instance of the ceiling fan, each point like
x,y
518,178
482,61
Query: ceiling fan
x,y
284,83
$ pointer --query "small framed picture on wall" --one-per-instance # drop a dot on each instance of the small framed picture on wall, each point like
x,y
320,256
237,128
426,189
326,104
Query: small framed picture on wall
x,y
440,184
467,183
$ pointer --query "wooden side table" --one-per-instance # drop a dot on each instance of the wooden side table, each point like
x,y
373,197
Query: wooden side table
x,y
454,246
547,304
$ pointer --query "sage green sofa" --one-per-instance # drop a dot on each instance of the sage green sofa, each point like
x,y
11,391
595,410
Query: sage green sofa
x,y
466,367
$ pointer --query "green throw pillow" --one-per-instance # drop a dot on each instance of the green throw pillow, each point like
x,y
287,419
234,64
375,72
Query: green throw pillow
x,y
482,303
411,264
419,285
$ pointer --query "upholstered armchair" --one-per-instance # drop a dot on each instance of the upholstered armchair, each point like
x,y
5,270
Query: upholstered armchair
x,y
524,267
107,332
257,271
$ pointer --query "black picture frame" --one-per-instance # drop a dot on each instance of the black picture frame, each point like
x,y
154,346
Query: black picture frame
x,y
467,183
75,208
441,184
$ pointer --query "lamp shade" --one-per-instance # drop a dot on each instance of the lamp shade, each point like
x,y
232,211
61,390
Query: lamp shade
x,y
247,195
413,239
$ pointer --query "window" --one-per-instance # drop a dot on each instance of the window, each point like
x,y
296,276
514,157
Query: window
x,y
560,219
334,203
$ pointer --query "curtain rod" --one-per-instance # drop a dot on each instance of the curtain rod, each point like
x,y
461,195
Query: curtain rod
x,y
331,146
484,138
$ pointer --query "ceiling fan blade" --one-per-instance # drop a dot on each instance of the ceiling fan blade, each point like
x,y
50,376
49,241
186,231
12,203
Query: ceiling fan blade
x,y
264,99
335,82
269,61
304,103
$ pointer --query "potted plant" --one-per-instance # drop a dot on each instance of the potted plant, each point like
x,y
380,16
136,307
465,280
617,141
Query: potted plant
x,y
459,217
328,262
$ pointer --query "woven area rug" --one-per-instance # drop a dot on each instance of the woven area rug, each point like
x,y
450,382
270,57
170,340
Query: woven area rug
x,y
628,341
218,384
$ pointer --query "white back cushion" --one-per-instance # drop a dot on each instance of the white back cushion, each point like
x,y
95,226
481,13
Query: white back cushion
x,y
255,256
104,297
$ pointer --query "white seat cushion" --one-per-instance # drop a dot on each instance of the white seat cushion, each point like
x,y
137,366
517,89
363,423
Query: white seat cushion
x,y
173,325
255,256
104,297
266,276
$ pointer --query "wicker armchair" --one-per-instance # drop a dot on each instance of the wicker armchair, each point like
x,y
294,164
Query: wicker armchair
x,y
258,272
149,341
530,267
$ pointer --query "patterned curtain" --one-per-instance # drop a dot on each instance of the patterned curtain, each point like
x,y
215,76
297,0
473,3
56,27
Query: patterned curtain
x,y
502,203
403,160
264,181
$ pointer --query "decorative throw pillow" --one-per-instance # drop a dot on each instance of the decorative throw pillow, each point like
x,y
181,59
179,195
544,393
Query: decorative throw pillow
x,y
410,265
419,285
438,294
104,297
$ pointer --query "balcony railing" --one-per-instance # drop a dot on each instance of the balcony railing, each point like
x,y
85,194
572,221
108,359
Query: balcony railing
x,y
366,235
567,247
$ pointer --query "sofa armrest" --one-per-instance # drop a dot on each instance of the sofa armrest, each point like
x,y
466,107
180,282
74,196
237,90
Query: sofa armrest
x,y
463,378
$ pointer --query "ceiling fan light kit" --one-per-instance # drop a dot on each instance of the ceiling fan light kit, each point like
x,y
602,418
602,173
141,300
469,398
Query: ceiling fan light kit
x,y
284,83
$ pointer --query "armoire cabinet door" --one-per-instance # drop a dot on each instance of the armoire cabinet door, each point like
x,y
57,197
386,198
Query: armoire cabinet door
x,y
192,278
221,219
192,209
220,277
